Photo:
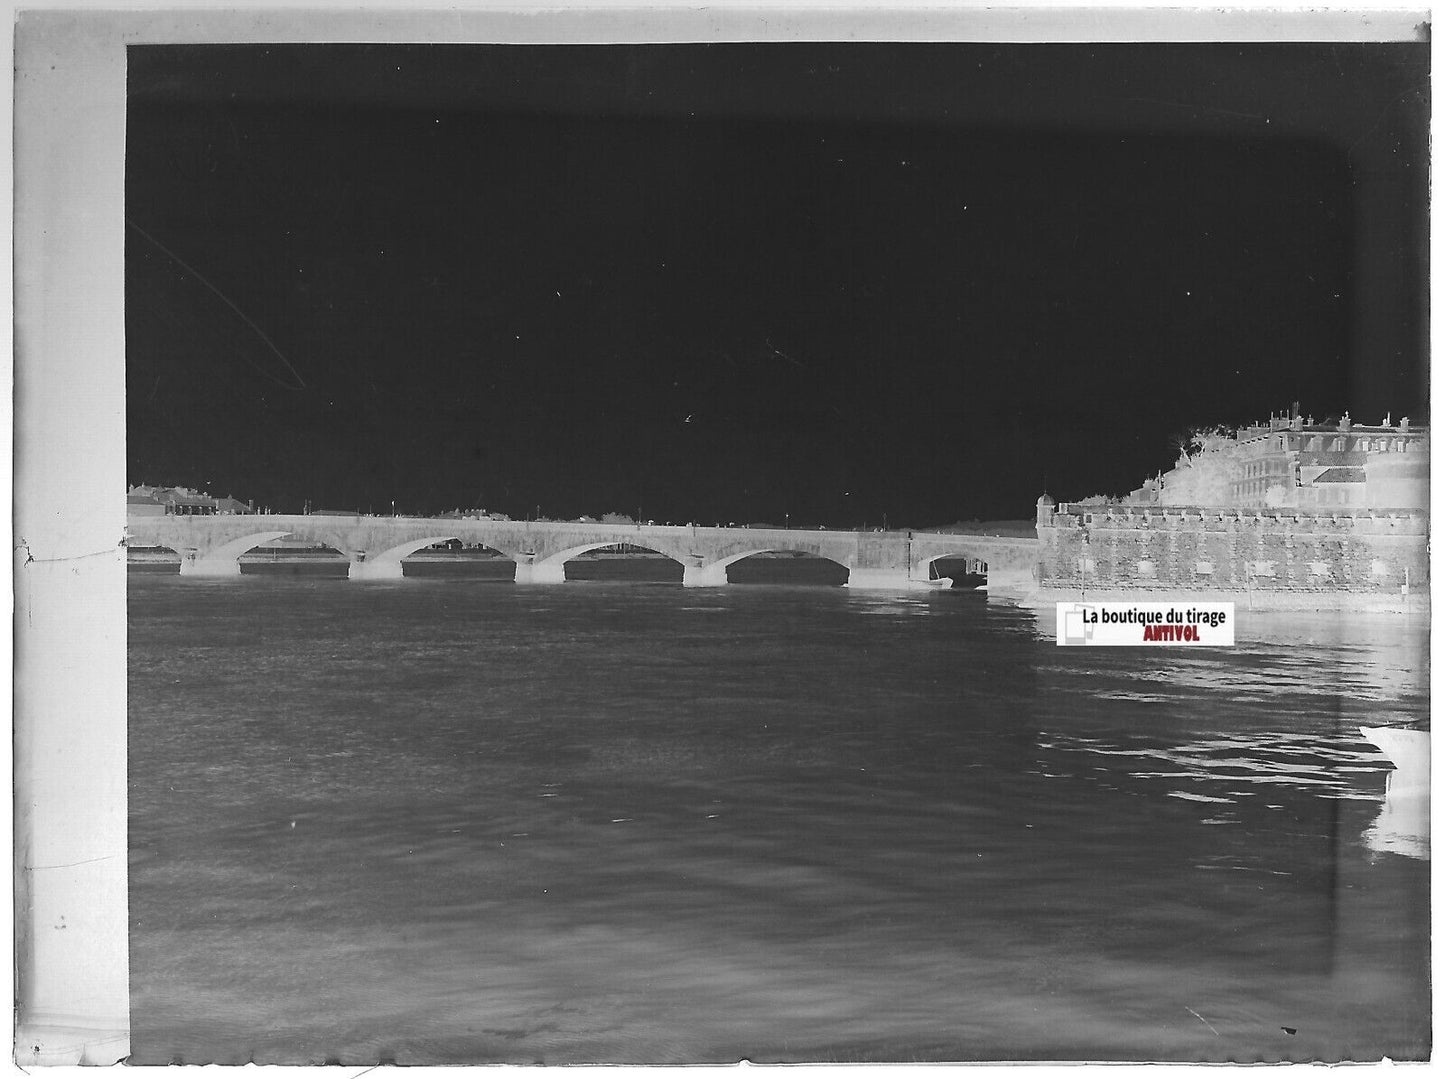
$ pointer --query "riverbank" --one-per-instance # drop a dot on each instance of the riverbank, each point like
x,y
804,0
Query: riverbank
x,y
1415,603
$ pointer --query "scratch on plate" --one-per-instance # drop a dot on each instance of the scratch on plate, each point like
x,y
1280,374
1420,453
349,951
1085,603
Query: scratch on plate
x,y
1201,1018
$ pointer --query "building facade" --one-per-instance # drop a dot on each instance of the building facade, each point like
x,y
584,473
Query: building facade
x,y
1293,463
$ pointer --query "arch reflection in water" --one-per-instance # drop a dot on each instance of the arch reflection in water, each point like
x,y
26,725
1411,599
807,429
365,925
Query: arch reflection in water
x,y
1403,826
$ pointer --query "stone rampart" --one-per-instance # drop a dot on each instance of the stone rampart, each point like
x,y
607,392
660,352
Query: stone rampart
x,y
1205,549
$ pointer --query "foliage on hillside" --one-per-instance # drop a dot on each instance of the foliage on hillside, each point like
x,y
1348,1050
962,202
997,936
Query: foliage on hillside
x,y
1205,471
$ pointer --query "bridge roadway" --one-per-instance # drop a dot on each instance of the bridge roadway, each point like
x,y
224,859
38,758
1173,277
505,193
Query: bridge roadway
x,y
210,546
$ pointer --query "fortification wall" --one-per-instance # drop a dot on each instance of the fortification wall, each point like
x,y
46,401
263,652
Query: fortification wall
x,y
1202,549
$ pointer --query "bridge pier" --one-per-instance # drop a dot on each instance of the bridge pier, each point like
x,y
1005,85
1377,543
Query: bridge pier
x,y
712,576
193,565
383,569
893,580
541,572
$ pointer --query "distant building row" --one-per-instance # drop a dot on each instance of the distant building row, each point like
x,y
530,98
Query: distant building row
x,y
145,501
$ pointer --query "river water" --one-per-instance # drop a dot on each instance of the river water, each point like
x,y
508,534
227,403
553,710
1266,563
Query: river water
x,y
456,820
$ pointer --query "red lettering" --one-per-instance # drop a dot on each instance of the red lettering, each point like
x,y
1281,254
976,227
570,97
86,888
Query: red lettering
x,y
1161,632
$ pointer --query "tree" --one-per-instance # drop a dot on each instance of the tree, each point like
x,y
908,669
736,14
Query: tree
x,y
1195,442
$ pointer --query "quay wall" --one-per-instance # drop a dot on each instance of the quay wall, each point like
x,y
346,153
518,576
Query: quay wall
x,y
1202,549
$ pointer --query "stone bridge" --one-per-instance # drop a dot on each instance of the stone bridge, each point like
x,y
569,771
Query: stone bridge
x,y
210,546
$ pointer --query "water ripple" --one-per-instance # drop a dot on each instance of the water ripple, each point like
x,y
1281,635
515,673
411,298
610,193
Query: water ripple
x,y
1332,766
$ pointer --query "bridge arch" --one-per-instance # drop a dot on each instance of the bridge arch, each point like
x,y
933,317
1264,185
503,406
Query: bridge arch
x,y
551,568
385,564
714,573
730,559
153,557
976,562
223,560
1006,562
374,550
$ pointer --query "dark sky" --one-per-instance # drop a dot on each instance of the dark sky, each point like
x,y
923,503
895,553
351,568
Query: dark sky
x,y
733,282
